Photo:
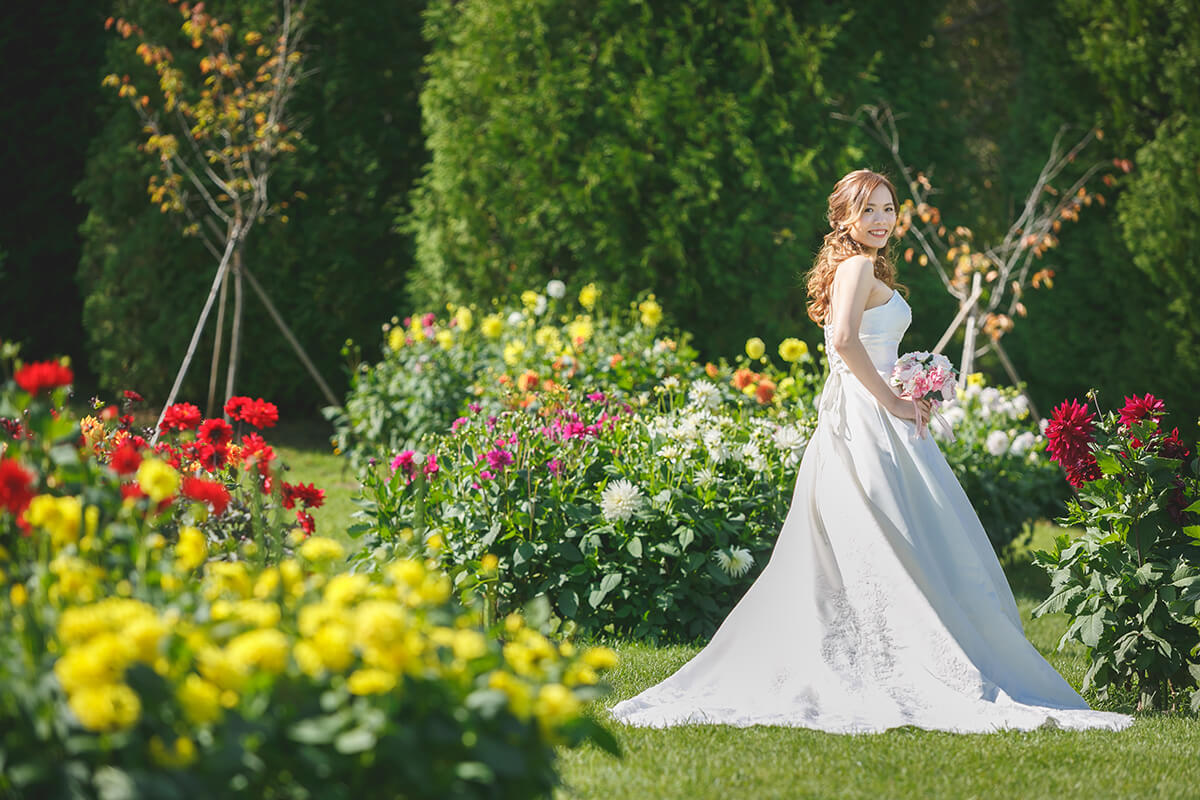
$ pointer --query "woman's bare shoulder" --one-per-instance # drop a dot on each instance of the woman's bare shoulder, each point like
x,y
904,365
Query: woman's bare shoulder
x,y
855,266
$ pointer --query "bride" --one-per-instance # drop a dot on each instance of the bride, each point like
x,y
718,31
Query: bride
x,y
883,603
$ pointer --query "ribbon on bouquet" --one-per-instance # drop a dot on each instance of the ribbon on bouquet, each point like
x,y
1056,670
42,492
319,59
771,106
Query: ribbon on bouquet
x,y
934,414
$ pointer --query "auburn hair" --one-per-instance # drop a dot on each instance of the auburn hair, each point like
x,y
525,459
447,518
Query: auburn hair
x,y
846,204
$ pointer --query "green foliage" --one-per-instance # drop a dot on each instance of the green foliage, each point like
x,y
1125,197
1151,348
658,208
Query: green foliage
x,y
333,269
433,369
1131,581
998,455
643,524
687,149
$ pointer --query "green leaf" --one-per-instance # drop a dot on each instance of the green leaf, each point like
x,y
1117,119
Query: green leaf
x,y
686,537
1192,530
634,546
610,581
568,603
1092,629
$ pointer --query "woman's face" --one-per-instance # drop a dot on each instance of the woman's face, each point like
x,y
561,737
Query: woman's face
x,y
878,218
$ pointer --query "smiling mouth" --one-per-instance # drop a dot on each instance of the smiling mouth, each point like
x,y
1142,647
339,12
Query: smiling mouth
x,y
878,232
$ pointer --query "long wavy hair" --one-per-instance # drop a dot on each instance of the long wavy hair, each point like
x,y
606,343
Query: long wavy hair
x,y
846,204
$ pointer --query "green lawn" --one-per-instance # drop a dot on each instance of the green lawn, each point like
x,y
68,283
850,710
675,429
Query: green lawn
x,y
304,447
1155,758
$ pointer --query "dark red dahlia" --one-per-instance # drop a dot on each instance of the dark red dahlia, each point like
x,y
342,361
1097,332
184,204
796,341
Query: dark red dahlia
x,y
168,453
181,416
212,493
1082,471
216,432
1069,433
1173,446
16,486
42,376
1138,408
307,523
132,396
125,459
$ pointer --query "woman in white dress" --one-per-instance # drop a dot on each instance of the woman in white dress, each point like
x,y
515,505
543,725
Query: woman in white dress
x,y
883,603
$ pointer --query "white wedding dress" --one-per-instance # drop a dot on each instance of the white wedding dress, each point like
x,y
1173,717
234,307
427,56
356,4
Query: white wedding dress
x,y
883,603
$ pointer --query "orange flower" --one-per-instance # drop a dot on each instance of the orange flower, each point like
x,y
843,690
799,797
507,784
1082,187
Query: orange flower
x,y
527,380
765,391
549,385
710,369
503,379
616,358
743,378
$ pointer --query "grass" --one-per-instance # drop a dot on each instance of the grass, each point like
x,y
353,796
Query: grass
x,y
304,447
1155,758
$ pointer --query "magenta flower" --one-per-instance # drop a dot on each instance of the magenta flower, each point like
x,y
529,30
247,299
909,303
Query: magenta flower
x,y
474,408
427,320
458,423
403,460
498,459
596,397
486,475
1138,408
431,466
555,467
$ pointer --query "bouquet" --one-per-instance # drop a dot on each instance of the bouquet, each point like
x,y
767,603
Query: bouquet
x,y
926,376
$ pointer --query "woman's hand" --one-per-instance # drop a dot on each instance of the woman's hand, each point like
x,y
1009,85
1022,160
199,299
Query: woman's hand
x,y
903,408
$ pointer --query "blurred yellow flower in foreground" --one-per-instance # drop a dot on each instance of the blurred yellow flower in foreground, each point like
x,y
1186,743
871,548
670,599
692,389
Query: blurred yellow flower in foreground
x,y
755,348
191,549
492,326
157,479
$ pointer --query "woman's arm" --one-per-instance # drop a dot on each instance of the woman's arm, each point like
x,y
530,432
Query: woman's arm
x,y
849,293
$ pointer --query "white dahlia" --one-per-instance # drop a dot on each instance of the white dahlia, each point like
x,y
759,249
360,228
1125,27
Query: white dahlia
x,y
619,500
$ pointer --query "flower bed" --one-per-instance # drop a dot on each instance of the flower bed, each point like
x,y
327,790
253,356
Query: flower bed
x,y
154,643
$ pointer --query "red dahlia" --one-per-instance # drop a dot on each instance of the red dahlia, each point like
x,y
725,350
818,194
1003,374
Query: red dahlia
x,y
1081,471
307,523
43,375
181,416
258,413
132,396
16,486
212,458
216,432
1069,433
1138,408
210,492
125,459
309,495
1173,446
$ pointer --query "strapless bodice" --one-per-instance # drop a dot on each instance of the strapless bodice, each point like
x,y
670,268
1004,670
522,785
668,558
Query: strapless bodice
x,y
880,332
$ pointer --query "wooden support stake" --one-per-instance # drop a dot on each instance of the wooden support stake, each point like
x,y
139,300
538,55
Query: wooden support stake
x,y
216,357
191,351
1012,376
235,338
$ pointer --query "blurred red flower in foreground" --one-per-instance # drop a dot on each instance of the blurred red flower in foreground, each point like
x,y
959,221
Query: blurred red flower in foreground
x,y
16,486
43,375
126,458
210,492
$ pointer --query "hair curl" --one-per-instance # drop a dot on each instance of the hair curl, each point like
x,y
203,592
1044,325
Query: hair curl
x,y
846,204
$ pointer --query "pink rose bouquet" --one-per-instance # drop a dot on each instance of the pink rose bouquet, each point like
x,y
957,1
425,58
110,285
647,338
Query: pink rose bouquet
x,y
925,376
